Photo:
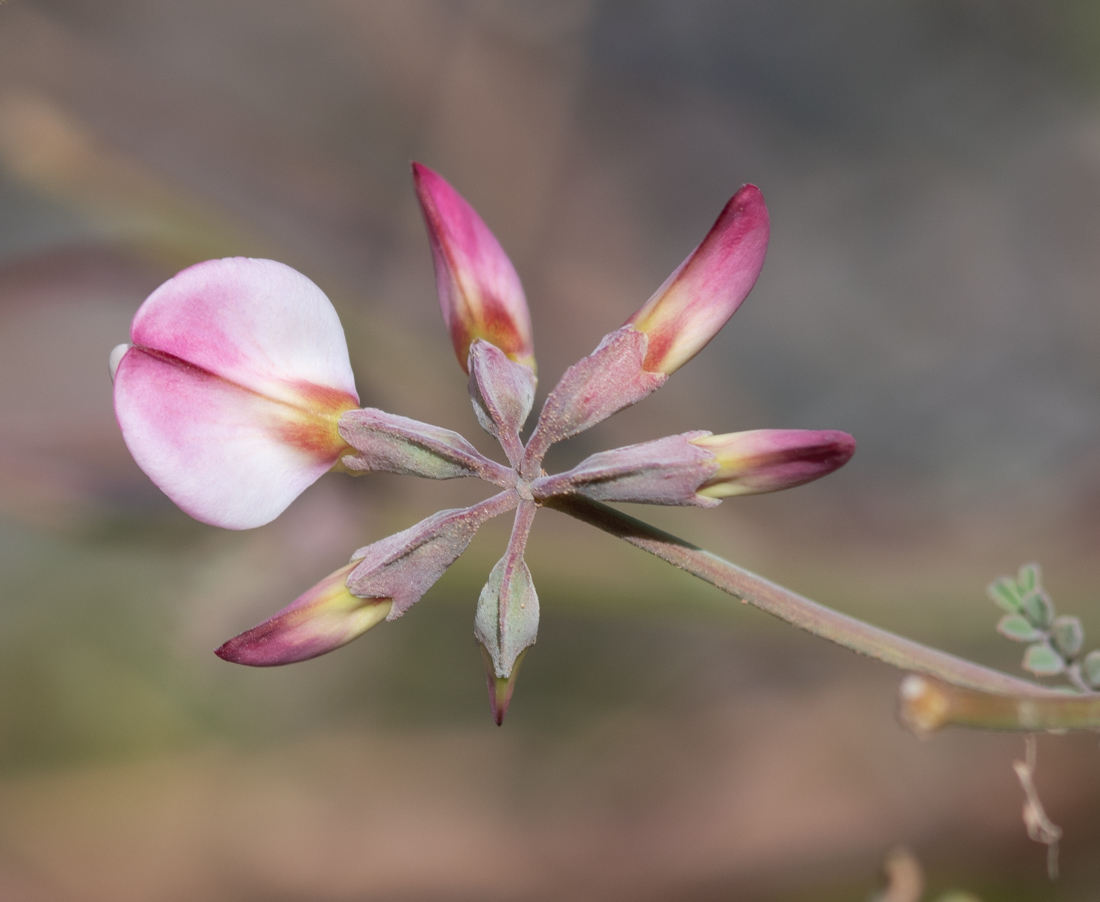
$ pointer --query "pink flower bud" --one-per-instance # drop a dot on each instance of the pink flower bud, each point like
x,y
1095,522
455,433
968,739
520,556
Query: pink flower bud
x,y
707,288
230,397
767,460
479,291
318,621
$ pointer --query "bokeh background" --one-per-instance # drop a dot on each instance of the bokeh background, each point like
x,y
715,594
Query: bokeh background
x,y
933,174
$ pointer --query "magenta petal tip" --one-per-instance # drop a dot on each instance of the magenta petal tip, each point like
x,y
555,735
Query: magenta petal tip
x,y
697,300
320,620
768,460
479,291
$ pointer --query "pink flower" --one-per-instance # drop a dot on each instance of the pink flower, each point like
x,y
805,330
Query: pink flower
x,y
230,396
237,394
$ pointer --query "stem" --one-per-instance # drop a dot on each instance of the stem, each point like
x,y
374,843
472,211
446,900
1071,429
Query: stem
x,y
927,705
517,542
801,612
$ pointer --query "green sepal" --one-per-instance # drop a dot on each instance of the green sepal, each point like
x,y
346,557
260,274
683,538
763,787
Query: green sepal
x,y
1068,636
1042,660
1018,628
507,618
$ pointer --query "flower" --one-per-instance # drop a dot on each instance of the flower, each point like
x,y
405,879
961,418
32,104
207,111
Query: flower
x,y
236,394
231,393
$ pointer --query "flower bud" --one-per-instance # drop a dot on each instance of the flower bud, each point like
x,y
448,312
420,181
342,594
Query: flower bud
x,y
318,621
479,291
707,288
507,619
767,460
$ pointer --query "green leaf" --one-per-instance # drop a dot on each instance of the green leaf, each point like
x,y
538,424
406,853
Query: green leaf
x,y
1039,609
1068,635
1030,578
1005,595
1042,660
1091,667
1018,628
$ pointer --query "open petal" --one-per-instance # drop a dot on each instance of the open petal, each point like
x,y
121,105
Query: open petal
x,y
224,454
230,398
696,301
479,291
257,323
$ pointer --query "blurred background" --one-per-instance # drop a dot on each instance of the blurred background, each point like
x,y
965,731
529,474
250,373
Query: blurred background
x,y
933,174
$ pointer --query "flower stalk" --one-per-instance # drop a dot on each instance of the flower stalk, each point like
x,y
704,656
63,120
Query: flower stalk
x,y
808,615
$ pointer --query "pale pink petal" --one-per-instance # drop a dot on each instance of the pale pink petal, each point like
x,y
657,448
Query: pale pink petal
x,y
225,454
230,397
767,460
479,291
696,301
257,323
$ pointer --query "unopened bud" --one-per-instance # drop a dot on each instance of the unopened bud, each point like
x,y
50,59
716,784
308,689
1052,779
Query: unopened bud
x,y
479,291
695,302
318,621
767,460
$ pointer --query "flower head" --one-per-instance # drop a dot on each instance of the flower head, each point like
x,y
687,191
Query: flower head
x,y
237,394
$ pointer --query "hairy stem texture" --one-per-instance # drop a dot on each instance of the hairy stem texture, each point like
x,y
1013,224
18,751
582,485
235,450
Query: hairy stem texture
x,y
849,632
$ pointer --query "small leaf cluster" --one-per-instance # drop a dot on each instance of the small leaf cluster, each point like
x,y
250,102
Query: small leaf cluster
x,y
1054,643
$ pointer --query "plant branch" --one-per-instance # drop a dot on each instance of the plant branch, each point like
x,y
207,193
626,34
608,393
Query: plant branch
x,y
928,704
849,632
